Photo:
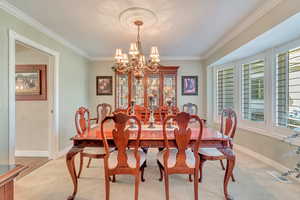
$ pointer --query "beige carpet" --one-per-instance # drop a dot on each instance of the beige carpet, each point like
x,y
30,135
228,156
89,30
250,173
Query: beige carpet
x,y
32,163
52,182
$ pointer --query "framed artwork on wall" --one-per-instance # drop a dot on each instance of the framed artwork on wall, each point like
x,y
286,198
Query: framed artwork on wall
x,y
31,82
189,85
104,85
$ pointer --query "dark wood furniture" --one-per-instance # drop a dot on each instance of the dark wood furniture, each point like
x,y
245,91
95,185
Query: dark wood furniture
x,y
83,125
7,175
162,86
141,112
103,110
225,152
228,128
182,159
190,108
149,139
123,160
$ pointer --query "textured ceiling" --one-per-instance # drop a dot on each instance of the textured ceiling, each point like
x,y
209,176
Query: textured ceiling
x,y
187,28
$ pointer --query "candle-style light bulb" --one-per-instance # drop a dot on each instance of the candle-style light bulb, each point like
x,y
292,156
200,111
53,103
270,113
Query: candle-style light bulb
x,y
133,50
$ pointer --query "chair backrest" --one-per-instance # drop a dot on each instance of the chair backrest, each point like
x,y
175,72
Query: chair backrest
x,y
103,110
182,136
82,120
121,136
164,111
228,122
190,108
141,112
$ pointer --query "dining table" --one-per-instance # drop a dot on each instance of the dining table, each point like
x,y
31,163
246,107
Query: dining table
x,y
150,138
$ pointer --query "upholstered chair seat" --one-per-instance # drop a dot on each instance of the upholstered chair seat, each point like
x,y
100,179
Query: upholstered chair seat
x,y
190,158
210,152
131,161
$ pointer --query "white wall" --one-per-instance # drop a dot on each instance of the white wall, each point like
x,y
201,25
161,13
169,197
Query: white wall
x,y
32,116
186,68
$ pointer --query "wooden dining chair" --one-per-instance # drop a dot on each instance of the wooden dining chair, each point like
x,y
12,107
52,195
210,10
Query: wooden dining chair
x,y
141,112
103,110
228,128
164,111
123,160
83,124
181,159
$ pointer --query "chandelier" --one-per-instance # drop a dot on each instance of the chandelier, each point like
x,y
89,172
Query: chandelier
x,y
135,61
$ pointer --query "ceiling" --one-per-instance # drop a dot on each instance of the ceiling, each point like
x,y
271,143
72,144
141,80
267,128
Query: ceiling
x,y
184,28
282,33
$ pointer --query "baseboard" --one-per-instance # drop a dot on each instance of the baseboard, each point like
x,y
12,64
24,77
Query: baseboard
x,y
264,159
63,152
32,153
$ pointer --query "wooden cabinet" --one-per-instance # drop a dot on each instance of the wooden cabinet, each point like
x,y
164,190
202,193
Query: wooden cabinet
x,y
162,86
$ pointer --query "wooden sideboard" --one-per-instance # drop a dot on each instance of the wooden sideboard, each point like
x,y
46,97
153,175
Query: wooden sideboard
x,y
161,85
7,175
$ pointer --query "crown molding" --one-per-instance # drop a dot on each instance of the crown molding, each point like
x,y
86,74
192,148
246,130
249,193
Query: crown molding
x,y
40,27
248,21
163,58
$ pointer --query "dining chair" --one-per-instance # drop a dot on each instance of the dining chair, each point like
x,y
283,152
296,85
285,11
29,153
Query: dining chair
x,y
164,111
190,108
141,112
182,159
227,129
83,124
123,160
103,110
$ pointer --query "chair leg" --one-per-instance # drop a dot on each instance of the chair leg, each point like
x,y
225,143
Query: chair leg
x,y
160,171
107,187
137,182
114,179
81,165
166,185
89,163
222,164
201,169
190,178
142,172
196,183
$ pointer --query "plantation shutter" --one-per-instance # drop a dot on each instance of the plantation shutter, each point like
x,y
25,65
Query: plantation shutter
x,y
225,89
253,91
288,89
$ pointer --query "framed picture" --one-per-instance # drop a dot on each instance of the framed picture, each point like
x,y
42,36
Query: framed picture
x,y
104,85
189,85
31,82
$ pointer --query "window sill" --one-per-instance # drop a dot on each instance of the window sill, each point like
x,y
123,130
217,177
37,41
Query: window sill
x,y
273,134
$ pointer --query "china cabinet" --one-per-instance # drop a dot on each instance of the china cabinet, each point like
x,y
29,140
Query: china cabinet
x,y
162,86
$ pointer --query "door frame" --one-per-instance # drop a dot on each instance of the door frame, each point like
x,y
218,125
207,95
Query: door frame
x,y
53,132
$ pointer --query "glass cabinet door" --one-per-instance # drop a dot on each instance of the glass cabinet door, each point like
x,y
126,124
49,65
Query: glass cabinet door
x,y
169,90
153,88
122,91
138,91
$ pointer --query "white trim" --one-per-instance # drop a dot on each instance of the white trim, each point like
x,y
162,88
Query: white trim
x,y
63,152
40,27
54,128
32,153
264,159
162,58
251,19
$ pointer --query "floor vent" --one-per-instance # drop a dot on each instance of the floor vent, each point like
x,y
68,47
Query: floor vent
x,y
278,177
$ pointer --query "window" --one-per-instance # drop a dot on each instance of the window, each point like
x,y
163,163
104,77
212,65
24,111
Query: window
x,y
288,89
225,88
253,91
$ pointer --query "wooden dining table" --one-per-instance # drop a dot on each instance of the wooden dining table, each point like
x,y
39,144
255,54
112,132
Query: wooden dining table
x,y
150,138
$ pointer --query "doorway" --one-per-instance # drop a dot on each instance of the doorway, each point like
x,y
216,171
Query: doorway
x,y
33,102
